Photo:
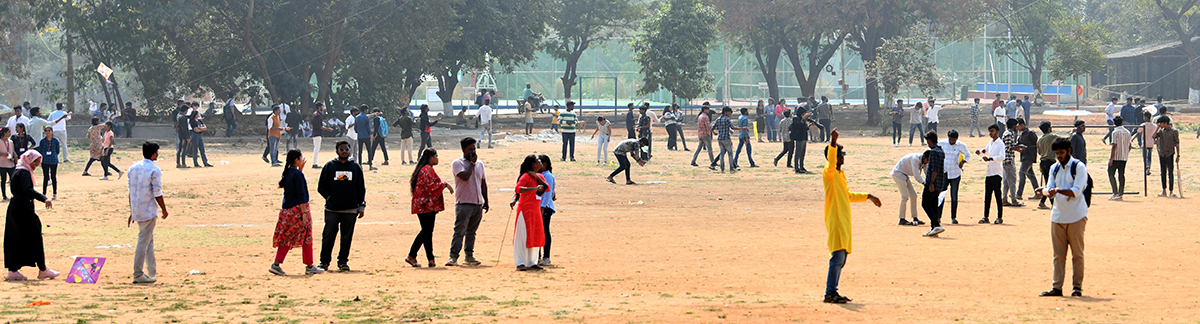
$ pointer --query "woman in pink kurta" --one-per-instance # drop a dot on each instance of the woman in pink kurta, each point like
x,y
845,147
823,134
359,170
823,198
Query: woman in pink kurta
x,y
528,235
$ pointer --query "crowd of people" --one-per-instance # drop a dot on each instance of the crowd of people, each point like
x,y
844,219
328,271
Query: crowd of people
x,y
1061,176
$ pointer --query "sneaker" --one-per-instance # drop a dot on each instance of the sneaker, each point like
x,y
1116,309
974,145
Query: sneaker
x,y
984,221
544,262
1118,198
276,270
47,274
905,222
384,163
895,145
521,267
15,276
451,262
535,268
144,279
1052,293
999,221
323,266
206,165
106,178
54,197
1043,207
120,174
1077,292
917,222
1162,194
1174,196
342,267
314,270
471,261
954,221
934,232
836,299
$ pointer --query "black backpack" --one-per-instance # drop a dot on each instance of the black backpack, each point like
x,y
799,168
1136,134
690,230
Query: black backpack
x,y
1087,192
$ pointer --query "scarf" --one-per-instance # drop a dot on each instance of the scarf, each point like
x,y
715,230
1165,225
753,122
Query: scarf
x,y
26,163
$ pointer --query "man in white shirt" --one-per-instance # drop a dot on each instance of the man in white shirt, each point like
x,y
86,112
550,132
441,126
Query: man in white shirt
x,y
1109,113
60,118
1068,217
957,154
352,136
909,166
932,115
993,153
1001,115
485,121
145,199
1121,140
37,125
17,118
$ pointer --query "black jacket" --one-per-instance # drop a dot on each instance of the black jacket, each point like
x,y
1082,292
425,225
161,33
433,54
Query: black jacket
x,y
342,185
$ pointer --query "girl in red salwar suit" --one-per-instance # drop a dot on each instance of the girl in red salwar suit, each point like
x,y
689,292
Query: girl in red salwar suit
x,y
528,234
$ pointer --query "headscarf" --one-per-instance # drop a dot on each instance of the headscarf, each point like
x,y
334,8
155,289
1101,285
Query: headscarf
x,y
26,163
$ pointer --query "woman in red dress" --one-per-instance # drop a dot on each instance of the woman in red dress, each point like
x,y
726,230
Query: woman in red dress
x,y
528,234
426,203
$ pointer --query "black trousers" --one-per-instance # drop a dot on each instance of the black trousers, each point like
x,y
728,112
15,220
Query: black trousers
x,y
568,142
953,197
897,134
801,148
50,176
671,136
623,165
1045,167
365,143
426,141
1166,165
546,213
5,174
106,161
1116,177
425,237
789,147
682,139
929,202
991,188
334,221
379,142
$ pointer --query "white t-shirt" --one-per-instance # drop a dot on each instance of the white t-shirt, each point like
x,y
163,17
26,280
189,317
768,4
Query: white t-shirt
x,y
14,120
1001,114
932,114
1151,109
485,114
350,128
1110,111
995,150
60,126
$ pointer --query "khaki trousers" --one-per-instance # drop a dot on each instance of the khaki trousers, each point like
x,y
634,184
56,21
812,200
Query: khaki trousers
x,y
1068,236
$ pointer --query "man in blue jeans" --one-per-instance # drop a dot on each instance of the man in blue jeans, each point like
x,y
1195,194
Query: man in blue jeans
x,y
837,215
743,127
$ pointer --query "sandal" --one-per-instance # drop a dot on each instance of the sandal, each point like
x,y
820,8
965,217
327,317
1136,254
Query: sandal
x,y
413,262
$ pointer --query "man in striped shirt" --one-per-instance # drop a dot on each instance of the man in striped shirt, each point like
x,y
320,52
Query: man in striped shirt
x,y
567,121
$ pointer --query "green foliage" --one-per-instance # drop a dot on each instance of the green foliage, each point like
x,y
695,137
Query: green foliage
x,y
1077,49
580,23
673,48
904,61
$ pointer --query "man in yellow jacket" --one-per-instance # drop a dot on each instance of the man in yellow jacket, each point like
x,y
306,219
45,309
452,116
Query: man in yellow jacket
x,y
837,215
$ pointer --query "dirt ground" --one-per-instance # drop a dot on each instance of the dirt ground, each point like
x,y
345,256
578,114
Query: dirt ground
x,y
701,247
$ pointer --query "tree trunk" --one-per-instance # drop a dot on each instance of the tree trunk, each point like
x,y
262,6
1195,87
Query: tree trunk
x,y
325,75
868,54
272,91
117,92
412,81
769,66
70,76
447,82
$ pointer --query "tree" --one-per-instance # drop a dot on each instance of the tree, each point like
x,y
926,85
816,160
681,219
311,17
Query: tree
x,y
1077,50
673,48
1031,27
751,26
905,61
580,23
873,21
1183,18
505,33
15,24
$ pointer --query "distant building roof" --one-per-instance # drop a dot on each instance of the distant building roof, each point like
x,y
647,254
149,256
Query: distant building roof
x,y
1139,51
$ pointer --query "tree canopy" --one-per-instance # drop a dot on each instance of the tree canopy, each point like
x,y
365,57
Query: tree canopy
x,y
673,48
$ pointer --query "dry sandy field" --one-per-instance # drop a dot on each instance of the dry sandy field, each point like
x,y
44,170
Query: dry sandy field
x,y
694,246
